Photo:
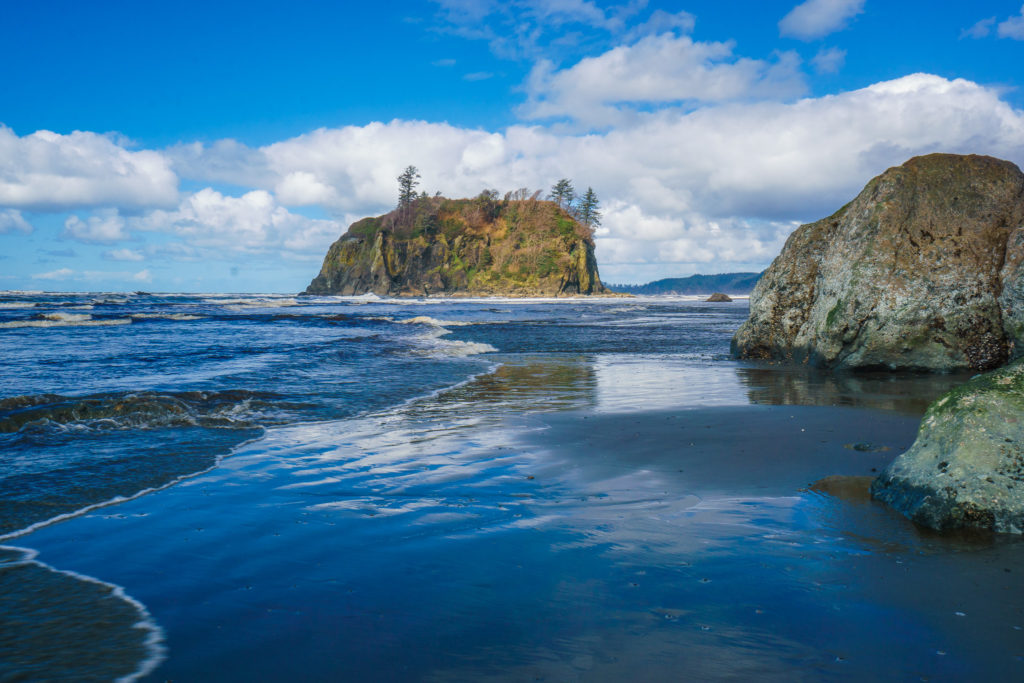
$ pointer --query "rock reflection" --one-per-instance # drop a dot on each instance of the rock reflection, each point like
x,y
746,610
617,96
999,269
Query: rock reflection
x,y
520,384
906,393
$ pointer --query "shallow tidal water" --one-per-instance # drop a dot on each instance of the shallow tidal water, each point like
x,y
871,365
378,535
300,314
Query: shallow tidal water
x,y
370,489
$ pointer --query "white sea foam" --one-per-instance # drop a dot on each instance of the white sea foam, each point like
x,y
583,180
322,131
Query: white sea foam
x,y
65,320
165,316
67,317
454,347
154,639
17,304
427,320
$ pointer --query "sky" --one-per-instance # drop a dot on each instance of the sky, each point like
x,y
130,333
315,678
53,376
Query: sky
x,y
222,147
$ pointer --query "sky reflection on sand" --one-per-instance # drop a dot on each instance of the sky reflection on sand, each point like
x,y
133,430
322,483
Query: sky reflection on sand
x,y
534,522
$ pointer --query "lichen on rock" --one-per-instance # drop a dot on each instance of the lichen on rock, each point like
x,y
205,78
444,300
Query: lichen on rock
x,y
463,247
923,270
966,467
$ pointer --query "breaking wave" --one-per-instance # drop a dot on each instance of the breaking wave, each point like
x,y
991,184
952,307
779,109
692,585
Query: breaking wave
x,y
144,410
65,320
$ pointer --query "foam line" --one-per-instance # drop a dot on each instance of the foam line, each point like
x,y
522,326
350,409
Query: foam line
x,y
154,641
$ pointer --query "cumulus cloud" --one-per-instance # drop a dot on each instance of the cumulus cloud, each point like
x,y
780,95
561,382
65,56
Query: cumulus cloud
x,y
11,220
105,226
45,171
667,176
251,223
656,70
817,18
1012,27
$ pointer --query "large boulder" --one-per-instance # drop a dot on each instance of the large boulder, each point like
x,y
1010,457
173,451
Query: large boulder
x,y
966,468
923,270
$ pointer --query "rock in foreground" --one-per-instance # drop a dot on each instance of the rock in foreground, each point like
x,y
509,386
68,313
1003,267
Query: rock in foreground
x,y
966,468
923,270
482,246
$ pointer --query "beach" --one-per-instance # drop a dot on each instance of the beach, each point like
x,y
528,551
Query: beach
x,y
575,508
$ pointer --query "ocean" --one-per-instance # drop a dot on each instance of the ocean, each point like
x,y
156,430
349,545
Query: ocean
x,y
266,487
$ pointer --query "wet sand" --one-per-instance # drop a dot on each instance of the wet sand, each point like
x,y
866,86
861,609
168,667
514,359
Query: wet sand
x,y
440,543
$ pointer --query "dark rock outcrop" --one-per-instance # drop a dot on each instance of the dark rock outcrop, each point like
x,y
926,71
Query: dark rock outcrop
x,y
466,247
966,468
718,297
923,270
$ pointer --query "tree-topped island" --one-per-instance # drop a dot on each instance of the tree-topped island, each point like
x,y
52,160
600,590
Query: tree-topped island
x,y
516,245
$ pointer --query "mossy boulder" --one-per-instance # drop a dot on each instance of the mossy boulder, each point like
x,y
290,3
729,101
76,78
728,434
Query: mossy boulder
x,y
464,247
923,270
966,468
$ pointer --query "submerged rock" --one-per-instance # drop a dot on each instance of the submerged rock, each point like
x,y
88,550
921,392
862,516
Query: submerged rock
x,y
718,297
923,270
966,468
482,246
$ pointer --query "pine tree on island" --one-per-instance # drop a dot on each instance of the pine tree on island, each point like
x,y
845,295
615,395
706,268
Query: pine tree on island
x,y
563,194
588,212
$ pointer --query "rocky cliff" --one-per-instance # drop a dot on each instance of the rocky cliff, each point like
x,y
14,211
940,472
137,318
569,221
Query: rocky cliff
x,y
923,270
482,246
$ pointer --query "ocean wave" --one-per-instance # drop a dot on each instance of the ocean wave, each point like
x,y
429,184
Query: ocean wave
x,y
253,302
17,304
427,320
236,409
165,316
65,320
56,611
434,345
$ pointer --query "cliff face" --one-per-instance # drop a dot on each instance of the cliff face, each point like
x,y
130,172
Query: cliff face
x,y
483,246
922,270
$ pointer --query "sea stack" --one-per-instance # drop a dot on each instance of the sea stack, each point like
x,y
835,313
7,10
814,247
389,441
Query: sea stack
x,y
718,297
464,247
923,270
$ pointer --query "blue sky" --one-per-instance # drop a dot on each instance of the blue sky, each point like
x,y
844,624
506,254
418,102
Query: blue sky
x,y
223,146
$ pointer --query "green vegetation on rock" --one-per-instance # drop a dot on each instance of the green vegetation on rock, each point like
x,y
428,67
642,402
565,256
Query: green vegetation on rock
x,y
966,468
481,246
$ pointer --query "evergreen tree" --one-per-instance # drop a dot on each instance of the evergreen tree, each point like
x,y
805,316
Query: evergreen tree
x,y
407,183
563,194
589,214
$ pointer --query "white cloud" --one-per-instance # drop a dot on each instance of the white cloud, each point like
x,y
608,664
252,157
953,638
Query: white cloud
x,y
11,220
829,60
665,178
657,70
980,29
251,223
59,274
105,226
817,18
45,171
517,29
124,255
143,276
661,21
1013,27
